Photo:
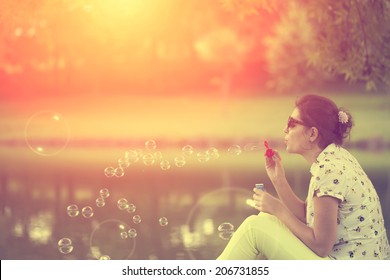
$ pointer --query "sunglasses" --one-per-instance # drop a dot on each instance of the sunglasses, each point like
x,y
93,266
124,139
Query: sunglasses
x,y
291,122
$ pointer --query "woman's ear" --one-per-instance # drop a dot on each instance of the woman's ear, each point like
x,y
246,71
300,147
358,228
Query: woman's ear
x,y
313,134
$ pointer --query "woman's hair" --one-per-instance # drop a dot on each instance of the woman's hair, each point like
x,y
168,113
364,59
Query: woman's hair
x,y
334,124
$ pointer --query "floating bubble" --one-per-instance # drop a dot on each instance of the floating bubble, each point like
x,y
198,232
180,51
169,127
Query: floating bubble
x,y
136,219
47,133
235,150
123,234
100,202
123,162
104,193
213,153
180,161
148,159
150,145
200,234
105,258
109,171
163,221
165,165
122,203
202,157
131,208
119,172
65,245
132,156
87,212
73,210
132,233
250,147
188,150
105,239
225,227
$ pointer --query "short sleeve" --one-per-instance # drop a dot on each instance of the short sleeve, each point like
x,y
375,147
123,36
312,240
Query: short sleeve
x,y
330,181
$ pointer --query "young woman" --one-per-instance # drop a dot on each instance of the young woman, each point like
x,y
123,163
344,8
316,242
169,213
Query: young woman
x,y
341,217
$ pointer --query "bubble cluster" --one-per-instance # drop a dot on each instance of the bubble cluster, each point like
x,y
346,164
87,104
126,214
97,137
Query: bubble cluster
x,y
65,245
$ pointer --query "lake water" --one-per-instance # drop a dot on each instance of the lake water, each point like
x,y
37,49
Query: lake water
x,y
181,210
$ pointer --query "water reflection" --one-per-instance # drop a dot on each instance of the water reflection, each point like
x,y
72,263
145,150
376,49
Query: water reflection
x,y
34,214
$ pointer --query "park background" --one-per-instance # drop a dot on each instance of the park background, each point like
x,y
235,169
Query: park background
x,y
84,83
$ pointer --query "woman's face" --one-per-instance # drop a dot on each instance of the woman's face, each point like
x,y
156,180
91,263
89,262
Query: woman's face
x,y
297,134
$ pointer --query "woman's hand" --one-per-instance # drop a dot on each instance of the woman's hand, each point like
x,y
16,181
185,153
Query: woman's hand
x,y
274,167
265,202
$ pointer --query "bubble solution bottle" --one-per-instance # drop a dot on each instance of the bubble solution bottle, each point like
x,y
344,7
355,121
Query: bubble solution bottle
x,y
260,186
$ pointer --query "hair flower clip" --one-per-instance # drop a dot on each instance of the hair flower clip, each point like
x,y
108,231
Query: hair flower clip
x,y
343,117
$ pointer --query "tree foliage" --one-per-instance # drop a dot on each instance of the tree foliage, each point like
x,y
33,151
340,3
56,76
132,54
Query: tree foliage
x,y
350,37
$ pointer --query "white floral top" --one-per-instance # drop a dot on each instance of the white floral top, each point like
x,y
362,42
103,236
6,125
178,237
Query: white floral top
x,y
361,233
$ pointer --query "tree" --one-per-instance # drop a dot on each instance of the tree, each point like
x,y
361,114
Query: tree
x,y
350,37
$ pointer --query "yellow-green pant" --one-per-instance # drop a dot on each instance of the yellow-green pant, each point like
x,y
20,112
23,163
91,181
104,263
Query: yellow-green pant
x,y
265,236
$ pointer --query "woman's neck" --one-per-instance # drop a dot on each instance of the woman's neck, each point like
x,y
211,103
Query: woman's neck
x,y
312,155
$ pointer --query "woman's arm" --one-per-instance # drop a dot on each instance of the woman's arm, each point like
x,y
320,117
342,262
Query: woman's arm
x,y
275,171
290,199
322,236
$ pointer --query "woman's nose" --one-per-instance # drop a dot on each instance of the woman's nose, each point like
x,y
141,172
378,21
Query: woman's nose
x,y
286,129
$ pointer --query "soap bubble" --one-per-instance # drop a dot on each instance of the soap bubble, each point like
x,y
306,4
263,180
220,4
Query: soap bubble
x,y
47,133
150,145
123,162
202,157
132,156
73,210
132,233
250,147
235,150
200,234
100,202
136,219
109,171
123,234
148,159
65,245
188,150
87,212
165,165
104,193
105,239
225,227
105,258
131,208
119,172
122,203
213,153
180,161
163,221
